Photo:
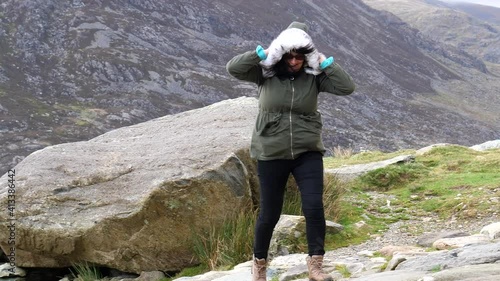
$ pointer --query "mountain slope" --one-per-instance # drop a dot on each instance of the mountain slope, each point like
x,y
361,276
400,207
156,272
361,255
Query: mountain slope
x,y
485,13
460,25
72,70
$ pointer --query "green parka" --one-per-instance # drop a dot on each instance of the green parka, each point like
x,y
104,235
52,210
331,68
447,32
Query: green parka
x,y
288,122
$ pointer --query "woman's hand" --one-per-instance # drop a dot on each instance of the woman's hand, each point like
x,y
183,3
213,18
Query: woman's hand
x,y
321,58
325,62
261,52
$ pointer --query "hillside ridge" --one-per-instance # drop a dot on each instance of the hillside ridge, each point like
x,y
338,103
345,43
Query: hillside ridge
x,y
70,71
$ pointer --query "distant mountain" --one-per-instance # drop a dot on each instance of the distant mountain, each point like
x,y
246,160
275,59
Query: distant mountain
x,y
485,13
71,70
460,25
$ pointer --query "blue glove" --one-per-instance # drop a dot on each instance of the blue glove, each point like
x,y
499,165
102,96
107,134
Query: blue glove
x,y
260,52
326,63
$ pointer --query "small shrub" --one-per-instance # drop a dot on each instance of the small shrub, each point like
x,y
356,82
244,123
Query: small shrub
x,y
333,195
86,272
340,152
226,245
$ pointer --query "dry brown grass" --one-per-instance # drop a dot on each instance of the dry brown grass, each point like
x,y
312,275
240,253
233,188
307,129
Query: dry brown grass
x,y
341,152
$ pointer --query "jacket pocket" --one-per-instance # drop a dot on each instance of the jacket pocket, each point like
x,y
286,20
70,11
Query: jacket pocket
x,y
268,123
312,121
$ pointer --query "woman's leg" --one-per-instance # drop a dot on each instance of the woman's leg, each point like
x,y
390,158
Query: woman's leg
x,y
273,176
308,173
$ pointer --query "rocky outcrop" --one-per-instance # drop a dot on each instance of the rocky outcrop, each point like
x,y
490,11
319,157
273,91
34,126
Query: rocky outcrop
x,y
424,150
494,144
133,198
289,229
353,171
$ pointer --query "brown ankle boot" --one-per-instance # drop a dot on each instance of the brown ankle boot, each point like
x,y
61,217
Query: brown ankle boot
x,y
315,266
259,269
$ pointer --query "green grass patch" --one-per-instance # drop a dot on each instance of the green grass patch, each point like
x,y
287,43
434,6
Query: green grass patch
x,y
436,268
342,269
391,177
438,182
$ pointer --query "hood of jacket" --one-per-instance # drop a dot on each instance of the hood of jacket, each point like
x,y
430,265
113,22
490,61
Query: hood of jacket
x,y
294,37
298,25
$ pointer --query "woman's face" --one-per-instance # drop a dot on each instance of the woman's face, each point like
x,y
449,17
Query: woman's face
x,y
294,61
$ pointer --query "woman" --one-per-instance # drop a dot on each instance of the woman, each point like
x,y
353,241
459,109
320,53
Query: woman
x,y
287,134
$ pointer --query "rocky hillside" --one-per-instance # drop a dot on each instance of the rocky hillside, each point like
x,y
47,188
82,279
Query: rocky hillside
x,y
71,70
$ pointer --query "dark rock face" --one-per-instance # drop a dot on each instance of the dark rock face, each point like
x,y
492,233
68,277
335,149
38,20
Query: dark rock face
x,y
71,70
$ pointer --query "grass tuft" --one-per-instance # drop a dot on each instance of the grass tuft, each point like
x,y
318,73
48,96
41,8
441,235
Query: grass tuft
x,y
340,152
228,245
342,269
85,271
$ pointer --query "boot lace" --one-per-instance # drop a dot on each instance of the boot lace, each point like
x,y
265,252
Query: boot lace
x,y
261,270
317,267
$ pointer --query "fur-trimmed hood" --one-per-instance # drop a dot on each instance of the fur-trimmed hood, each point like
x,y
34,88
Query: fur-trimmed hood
x,y
294,37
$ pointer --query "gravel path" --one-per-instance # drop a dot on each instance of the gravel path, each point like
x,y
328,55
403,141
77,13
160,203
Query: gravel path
x,y
406,233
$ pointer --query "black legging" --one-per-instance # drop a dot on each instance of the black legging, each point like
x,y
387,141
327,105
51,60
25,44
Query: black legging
x,y
307,170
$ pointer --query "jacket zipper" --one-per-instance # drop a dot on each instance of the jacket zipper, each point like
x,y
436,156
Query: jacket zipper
x,y
291,128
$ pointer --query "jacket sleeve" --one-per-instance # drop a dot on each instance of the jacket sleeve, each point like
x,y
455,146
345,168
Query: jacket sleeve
x,y
246,67
335,80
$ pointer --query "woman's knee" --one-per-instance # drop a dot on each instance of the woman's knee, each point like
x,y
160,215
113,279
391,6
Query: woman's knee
x,y
314,213
312,201
269,218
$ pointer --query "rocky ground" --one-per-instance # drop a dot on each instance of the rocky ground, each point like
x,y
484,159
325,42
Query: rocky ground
x,y
358,260
354,258
406,250
406,233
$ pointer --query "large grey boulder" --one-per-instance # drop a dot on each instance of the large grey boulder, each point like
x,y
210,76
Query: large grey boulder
x,y
133,198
